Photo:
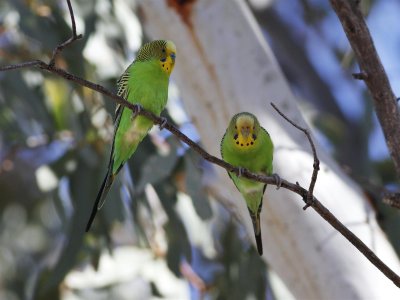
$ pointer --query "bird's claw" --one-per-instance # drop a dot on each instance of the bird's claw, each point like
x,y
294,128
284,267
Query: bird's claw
x,y
138,108
240,171
163,123
137,111
278,180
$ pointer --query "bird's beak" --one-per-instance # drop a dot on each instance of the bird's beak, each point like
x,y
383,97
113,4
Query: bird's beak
x,y
245,132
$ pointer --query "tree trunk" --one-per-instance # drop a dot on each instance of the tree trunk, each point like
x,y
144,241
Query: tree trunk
x,y
225,66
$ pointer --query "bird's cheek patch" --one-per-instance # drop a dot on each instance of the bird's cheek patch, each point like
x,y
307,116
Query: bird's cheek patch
x,y
167,64
243,142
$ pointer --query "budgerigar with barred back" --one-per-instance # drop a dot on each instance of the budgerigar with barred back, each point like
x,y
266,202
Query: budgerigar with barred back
x,y
144,82
247,145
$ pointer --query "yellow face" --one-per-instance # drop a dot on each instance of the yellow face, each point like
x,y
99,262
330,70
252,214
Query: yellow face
x,y
167,62
245,132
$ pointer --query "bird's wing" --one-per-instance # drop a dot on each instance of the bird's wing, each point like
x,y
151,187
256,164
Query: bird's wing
x,y
123,91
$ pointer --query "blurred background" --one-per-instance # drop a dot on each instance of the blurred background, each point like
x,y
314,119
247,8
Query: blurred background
x,y
180,243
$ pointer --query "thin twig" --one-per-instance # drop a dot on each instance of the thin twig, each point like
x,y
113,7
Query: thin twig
x,y
27,64
72,39
296,188
71,14
316,160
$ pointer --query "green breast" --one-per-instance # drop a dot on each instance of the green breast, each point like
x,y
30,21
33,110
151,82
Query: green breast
x,y
148,86
257,158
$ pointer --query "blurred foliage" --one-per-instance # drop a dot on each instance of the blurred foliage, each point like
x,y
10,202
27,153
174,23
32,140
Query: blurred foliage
x,y
54,144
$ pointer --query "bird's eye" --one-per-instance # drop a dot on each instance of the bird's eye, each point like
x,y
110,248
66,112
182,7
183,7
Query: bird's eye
x,y
163,59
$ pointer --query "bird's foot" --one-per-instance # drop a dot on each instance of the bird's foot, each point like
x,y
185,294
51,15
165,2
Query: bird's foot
x,y
163,123
240,171
278,180
137,111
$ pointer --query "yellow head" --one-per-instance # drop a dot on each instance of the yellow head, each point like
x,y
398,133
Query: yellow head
x,y
162,51
168,61
244,128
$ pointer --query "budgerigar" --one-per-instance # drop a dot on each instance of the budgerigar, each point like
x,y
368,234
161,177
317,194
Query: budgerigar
x,y
144,82
247,145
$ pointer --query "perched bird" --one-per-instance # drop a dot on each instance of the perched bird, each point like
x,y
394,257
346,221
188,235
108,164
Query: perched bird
x,y
247,145
144,82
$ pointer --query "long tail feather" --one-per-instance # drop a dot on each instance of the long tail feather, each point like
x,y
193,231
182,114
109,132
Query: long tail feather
x,y
259,243
108,180
255,218
101,196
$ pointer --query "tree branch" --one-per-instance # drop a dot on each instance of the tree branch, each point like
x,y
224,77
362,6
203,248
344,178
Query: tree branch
x,y
372,72
33,63
314,175
307,195
72,39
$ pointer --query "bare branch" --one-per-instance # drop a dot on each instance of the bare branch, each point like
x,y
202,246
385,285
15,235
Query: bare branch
x,y
71,13
72,39
296,188
27,64
372,72
314,175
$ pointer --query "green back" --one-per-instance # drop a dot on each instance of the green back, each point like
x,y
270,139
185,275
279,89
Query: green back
x,y
146,84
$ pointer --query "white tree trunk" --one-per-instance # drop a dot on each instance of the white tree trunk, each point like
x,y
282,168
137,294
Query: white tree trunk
x,y
225,66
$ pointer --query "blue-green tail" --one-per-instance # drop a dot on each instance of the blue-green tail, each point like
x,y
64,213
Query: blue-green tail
x,y
101,196
255,218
